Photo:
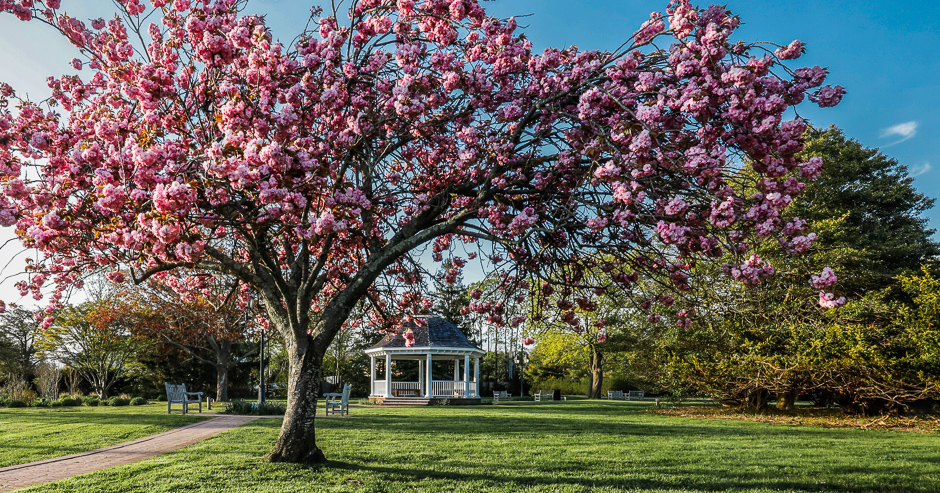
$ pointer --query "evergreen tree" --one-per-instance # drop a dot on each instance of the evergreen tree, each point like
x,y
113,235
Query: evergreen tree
x,y
450,298
866,202
751,344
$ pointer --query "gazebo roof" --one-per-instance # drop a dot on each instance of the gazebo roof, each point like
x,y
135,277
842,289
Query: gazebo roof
x,y
435,333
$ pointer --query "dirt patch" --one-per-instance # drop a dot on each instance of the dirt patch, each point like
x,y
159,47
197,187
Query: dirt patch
x,y
828,418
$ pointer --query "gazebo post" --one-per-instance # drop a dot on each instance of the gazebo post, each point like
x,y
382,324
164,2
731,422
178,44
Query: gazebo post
x,y
427,377
388,374
476,376
372,375
466,375
420,377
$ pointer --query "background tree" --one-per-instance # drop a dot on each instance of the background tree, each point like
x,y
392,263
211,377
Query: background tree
x,y
198,314
312,172
451,298
19,331
750,344
96,339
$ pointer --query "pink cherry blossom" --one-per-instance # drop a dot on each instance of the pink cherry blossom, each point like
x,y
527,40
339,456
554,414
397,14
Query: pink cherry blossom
x,y
824,279
829,300
318,172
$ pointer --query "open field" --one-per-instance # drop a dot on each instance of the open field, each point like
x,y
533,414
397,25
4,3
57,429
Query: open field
x,y
31,434
524,446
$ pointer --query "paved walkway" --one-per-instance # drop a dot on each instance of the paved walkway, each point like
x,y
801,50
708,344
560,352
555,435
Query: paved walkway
x,y
57,468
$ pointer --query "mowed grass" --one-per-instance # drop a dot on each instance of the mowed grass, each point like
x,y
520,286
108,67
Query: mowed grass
x,y
31,434
524,446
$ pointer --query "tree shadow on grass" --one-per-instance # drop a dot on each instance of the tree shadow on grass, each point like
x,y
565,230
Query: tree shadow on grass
x,y
650,480
648,452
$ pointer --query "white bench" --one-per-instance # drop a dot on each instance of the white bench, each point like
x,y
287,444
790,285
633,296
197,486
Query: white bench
x,y
338,402
177,394
500,394
544,394
636,394
615,394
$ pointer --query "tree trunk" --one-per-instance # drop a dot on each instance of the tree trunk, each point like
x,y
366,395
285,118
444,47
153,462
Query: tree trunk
x,y
223,363
786,399
297,440
221,382
596,379
755,399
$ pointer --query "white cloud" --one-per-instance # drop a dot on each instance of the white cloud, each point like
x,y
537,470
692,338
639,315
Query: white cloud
x,y
919,170
904,130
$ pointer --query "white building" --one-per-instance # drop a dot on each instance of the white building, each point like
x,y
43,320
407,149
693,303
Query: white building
x,y
436,342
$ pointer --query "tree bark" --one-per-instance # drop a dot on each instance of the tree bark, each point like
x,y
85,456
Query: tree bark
x,y
786,399
221,383
223,363
297,440
596,379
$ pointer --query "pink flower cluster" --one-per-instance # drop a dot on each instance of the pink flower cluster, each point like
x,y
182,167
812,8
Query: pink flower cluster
x,y
824,279
829,300
409,337
329,161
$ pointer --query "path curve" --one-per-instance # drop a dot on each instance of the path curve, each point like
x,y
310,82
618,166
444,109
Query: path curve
x,y
56,468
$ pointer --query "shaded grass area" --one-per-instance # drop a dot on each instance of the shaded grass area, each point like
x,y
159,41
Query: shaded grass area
x,y
572,446
811,416
31,434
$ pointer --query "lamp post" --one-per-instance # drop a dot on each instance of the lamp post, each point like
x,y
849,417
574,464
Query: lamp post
x,y
261,372
248,312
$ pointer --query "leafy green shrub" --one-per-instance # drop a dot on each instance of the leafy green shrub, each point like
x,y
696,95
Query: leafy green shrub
x,y
91,400
118,401
40,403
161,398
138,401
17,403
271,409
55,404
69,401
24,395
238,406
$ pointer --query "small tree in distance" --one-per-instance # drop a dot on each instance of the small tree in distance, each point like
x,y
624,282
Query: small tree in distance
x,y
95,339
200,317
312,172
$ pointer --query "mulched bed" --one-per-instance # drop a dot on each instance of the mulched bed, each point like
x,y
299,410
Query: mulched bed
x,y
825,417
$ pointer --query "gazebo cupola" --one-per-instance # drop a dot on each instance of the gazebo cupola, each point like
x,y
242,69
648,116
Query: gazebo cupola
x,y
436,341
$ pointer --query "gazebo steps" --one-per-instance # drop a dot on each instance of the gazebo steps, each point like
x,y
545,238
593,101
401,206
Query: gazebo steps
x,y
404,401
421,401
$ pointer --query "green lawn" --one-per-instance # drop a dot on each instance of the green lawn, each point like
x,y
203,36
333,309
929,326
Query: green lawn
x,y
525,446
31,434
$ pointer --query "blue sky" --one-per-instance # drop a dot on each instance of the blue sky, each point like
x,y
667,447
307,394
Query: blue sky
x,y
885,53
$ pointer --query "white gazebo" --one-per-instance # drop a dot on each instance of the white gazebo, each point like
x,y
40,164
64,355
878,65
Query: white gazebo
x,y
435,341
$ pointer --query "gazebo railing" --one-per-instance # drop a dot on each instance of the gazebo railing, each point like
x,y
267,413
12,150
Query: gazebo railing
x,y
413,389
439,388
452,388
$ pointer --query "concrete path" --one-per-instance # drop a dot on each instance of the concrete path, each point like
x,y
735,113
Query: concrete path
x,y
57,468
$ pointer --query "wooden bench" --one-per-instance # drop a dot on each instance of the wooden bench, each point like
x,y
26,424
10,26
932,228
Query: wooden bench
x,y
544,394
615,394
177,394
338,402
636,394
500,394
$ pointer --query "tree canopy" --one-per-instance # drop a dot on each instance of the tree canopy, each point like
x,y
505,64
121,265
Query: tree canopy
x,y
312,171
